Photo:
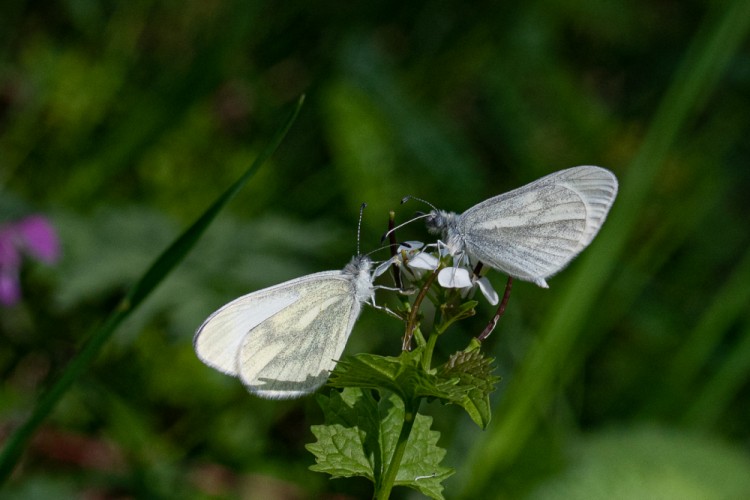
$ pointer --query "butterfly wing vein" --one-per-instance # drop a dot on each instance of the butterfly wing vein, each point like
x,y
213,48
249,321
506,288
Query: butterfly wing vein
x,y
282,341
534,231
292,353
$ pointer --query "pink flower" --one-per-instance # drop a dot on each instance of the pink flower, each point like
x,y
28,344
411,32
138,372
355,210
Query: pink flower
x,y
33,236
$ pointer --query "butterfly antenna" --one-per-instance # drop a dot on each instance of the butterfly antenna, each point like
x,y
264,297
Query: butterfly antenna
x,y
380,248
410,197
388,233
359,225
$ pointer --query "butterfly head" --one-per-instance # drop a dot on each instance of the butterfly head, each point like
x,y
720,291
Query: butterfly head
x,y
439,221
360,269
361,264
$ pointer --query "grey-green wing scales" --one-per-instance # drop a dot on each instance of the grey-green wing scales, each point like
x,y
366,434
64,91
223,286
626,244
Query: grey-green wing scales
x,y
534,231
292,352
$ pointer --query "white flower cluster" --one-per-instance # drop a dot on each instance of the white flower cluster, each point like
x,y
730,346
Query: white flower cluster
x,y
421,258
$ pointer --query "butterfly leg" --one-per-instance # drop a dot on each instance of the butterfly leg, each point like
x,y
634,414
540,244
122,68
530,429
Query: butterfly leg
x,y
386,310
499,313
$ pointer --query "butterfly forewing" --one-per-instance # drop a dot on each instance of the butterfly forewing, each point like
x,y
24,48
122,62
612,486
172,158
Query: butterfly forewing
x,y
219,338
597,188
534,242
292,353
534,231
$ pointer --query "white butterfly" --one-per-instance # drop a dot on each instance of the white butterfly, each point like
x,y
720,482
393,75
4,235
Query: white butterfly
x,y
534,231
283,341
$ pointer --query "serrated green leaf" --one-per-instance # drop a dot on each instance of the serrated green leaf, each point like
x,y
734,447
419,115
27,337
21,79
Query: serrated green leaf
x,y
361,431
420,467
402,375
466,379
348,444
475,383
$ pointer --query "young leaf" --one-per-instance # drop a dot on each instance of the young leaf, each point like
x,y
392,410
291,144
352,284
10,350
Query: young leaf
x,y
348,444
475,383
420,467
361,435
453,313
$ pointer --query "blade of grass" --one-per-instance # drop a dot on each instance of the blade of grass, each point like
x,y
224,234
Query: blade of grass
x,y
533,386
727,308
717,393
161,267
729,303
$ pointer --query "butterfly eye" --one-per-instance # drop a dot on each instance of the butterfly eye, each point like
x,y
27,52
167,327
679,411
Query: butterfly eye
x,y
434,221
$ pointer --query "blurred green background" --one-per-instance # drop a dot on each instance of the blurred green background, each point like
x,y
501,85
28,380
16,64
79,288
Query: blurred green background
x,y
123,121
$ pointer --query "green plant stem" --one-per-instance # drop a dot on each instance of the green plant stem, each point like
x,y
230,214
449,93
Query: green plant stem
x,y
155,274
429,349
417,333
437,331
388,480
411,323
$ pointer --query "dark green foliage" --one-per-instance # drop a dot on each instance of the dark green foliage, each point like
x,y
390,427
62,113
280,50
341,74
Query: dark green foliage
x,y
122,121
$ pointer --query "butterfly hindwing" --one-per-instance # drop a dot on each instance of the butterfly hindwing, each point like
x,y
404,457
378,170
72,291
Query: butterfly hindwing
x,y
292,352
283,341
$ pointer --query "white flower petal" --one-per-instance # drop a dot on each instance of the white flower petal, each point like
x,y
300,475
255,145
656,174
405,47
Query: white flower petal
x,y
407,246
454,277
423,261
486,287
382,268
